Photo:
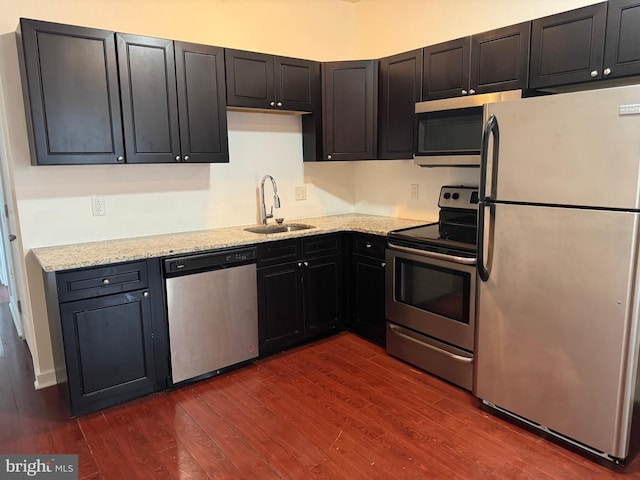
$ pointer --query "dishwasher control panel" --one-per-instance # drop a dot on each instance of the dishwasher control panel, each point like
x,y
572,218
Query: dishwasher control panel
x,y
201,262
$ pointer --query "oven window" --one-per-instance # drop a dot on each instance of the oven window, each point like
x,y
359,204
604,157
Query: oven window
x,y
433,289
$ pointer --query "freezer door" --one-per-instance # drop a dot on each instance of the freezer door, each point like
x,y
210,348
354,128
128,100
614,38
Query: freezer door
x,y
555,321
569,149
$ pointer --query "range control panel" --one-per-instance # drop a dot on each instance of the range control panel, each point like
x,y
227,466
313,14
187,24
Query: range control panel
x,y
461,197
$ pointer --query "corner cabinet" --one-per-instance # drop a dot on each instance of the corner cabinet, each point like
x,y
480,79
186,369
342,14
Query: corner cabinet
x,y
172,101
349,109
109,334
72,100
300,290
400,88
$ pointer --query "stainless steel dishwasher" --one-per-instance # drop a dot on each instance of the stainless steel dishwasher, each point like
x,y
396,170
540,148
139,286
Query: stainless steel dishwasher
x,y
212,307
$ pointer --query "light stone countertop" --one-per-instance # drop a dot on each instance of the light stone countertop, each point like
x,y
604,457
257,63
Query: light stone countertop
x,y
79,255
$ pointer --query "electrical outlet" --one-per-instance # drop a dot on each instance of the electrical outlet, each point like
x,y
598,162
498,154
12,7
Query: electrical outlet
x,y
301,193
415,191
98,207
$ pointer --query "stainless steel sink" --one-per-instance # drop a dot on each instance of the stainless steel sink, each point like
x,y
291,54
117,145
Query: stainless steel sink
x,y
292,227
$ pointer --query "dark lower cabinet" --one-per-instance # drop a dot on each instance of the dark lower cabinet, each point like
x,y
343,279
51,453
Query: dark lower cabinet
x,y
108,333
70,84
300,290
280,311
323,296
366,287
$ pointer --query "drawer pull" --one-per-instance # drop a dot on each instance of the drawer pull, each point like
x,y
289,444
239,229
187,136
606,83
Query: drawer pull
x,y
106,281
145,294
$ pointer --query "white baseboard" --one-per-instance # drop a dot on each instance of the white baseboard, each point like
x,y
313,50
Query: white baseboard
x,y
45,379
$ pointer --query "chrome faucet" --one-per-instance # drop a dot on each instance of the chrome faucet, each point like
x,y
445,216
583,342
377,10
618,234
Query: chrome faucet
x,y
276,200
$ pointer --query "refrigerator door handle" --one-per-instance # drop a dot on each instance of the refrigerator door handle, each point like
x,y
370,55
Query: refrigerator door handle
x,y
484,265
490,130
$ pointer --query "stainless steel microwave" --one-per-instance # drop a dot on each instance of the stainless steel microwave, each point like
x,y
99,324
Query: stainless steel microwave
x,y
449,131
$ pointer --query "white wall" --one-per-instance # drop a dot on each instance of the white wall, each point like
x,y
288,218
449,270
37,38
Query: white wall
x,y
53,203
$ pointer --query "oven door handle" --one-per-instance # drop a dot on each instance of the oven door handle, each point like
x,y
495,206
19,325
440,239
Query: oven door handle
x,y
436,255
459,358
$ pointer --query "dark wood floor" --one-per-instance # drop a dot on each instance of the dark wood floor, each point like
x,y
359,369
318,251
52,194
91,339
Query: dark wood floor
x,y
339,408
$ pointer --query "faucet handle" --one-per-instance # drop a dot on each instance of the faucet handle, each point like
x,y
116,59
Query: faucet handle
x,y
279,221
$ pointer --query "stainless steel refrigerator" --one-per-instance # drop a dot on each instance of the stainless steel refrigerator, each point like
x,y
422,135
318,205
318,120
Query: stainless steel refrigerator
x,y
558,304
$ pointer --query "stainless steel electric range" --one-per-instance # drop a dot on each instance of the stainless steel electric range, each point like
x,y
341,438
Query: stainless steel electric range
x,y
430,289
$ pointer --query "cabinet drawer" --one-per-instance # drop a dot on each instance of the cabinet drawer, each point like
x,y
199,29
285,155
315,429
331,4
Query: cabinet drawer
x,y
97,282
369,245
321,245
273,253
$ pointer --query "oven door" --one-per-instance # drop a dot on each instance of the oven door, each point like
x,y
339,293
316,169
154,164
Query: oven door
x,y
432,294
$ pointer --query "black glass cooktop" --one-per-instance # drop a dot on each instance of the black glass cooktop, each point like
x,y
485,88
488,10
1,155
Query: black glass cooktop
x,y
450,239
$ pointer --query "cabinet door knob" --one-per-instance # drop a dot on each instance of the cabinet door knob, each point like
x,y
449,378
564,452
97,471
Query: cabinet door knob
x,y
383,264
306,264
279,104
472,91
177,158
328,157
120,158
273,104
594,74
464,92
145,294
606,72
106,281
186,158
368,245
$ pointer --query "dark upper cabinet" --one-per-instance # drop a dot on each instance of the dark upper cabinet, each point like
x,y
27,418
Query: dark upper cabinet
x,y
172,101
349,109
446,69
201,103
70,83
149,99
500,59
622,40
400,88
491,61
568,47
257,80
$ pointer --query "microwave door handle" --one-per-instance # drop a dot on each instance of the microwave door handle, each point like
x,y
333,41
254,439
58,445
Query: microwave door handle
x,y
491,130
